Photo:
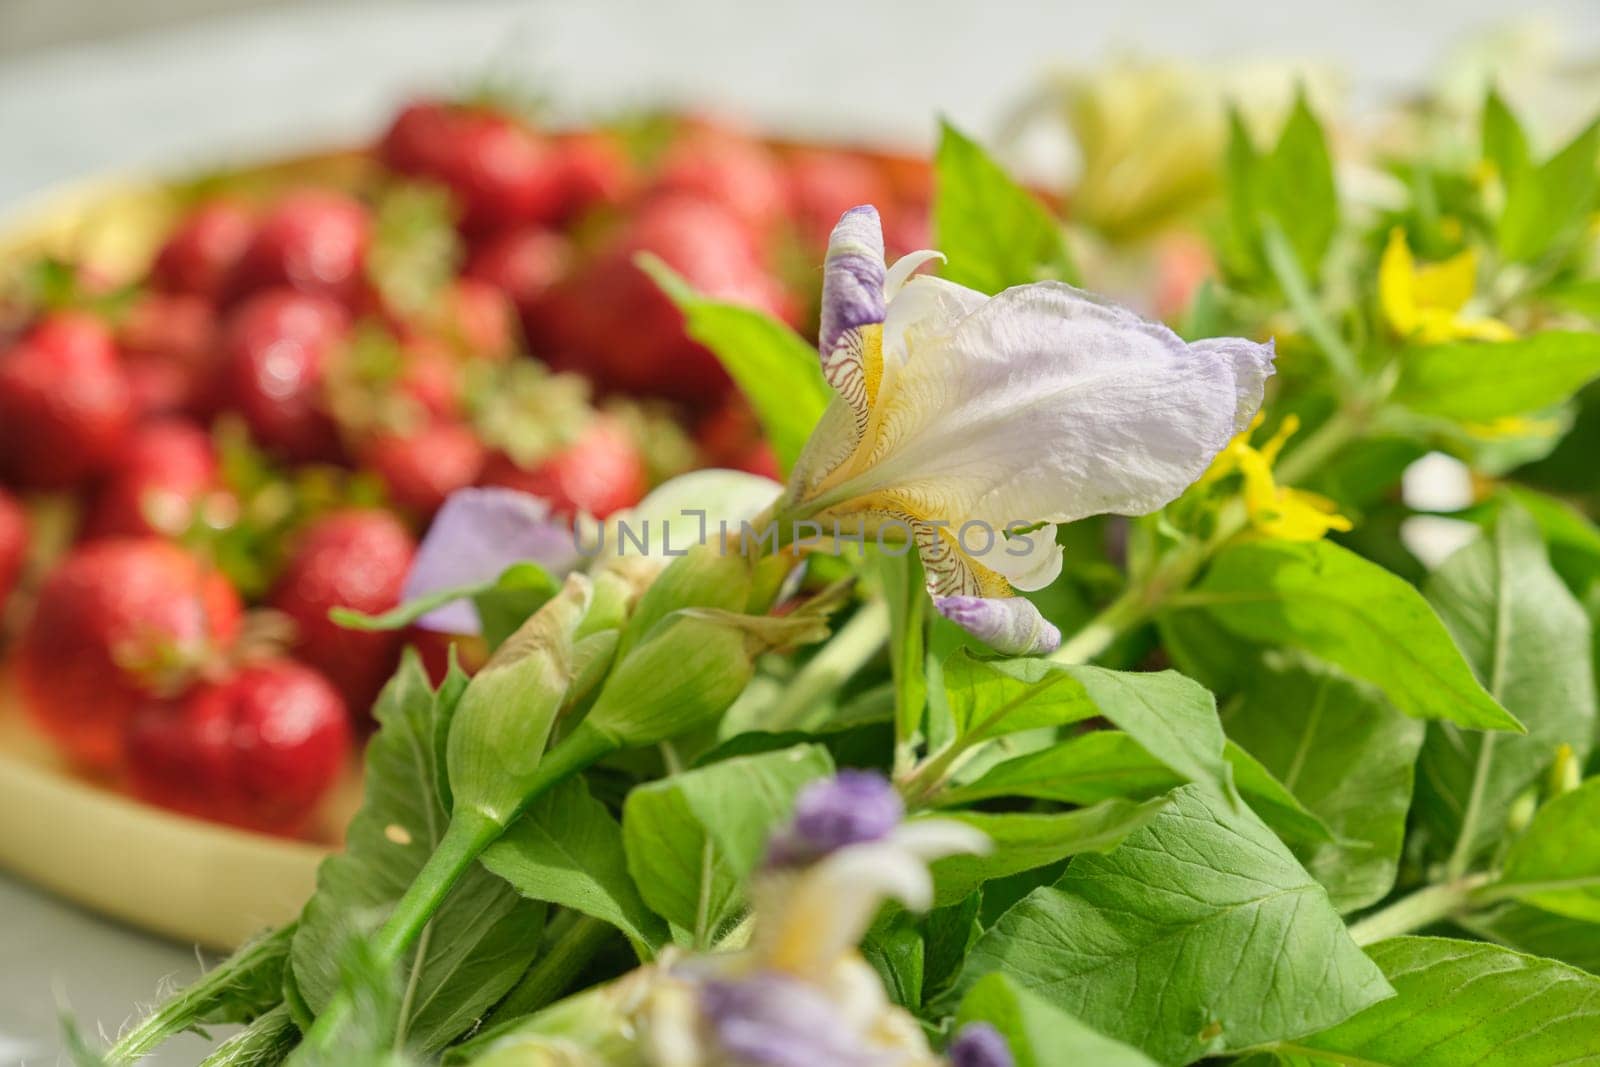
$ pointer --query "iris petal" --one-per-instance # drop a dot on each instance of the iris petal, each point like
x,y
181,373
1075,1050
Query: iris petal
x,y
1010,625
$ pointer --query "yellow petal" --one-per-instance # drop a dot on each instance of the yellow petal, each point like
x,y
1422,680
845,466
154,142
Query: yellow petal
x,y
1447,286
1397,284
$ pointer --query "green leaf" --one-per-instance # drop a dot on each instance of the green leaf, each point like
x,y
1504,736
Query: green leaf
x,y
1329,601
775,368
1538,933
693,838
1528,640
1039,1033
1555,864
264,1043
1547,203
1504,142
1465,1004
996,233
1200,935
1290,189
1573,540
508,602
1023,841
481,939
1476,381
908,605
567,849
893,946
1341,749
1174,718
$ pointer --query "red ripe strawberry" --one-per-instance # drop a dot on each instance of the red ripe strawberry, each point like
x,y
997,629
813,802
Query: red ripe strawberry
x,y
356,558
13,545
824,184
169,343
423,467
275,352
315,241
727,168
595,171
419,141
597,474
65,404
524,265
612,322
117,622
478,320
201,255
731,437
259,749
157,482
431,376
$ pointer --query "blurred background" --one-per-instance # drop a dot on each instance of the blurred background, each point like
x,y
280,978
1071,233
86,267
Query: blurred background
x,y
89,87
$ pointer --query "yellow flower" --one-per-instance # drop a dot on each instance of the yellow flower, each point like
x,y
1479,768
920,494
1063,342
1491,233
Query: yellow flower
x,y
1424,303
1275,510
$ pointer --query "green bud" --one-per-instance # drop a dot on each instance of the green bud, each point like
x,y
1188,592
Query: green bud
x,y
1522,811
1566,773
503,722
707,576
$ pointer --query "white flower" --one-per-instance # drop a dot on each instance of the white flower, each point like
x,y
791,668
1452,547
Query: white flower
x,y
976,423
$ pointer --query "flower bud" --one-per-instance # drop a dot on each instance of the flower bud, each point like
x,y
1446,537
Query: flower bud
x,y
498,735
708,576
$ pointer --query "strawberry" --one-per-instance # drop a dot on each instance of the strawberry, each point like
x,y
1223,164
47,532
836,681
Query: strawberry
x,y
524,264
479,320
65,403
13,545
825,183
431,376
258,749
201,254
599,473
613,323
156,483
595,172
276,349
422,467
354,558
419,141
117,622
731,437
727,168
169,343
313,240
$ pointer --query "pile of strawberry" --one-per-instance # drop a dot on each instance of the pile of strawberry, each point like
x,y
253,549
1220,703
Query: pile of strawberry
x,y
259,428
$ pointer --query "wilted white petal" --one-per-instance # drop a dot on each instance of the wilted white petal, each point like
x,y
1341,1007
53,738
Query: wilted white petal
x,y
1010,625
476,535
1029,560
933,839
828,908
905,267
927,307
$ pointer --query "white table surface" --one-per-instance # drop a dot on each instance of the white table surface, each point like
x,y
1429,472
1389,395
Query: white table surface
x,y
257,82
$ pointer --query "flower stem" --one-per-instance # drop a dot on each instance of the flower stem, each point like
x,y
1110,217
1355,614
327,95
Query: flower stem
x,y
1426,906
856,642
1297,290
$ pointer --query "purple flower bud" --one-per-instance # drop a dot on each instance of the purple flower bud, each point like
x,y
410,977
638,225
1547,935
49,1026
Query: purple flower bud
x,y
980,1045
848,809
1010,625
770,1020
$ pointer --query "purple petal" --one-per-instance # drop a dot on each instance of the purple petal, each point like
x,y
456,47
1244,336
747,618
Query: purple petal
x,y
770,1020
1006,624
474,538
847,809
852,276
980,1045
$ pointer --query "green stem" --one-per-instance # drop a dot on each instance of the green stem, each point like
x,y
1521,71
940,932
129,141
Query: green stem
x,y
856,642
1292,280
547,979
1426,906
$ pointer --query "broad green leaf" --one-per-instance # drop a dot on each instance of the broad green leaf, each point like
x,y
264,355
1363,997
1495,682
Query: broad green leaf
x,y
1504,142
567,849
893,946
1328,601
1173,717
1200,935
1555,864
1477,381
1023,841
996,233
1546,203
484,935
693,838
1573,540
1346,754
1290,188
1465,1004
908,604
1529,641
1580,296
775,368
1538,933
1103,764
948,933
1039,1033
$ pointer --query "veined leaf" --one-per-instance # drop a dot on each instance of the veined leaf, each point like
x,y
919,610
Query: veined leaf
x,y
1538,933
1546,203
1465,1004
996,233
1479,381
1529,642
693,838
567,849
1341,749
1329,601
1023,841
484,935
1555,864
774,367
1039,1033
1199,935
